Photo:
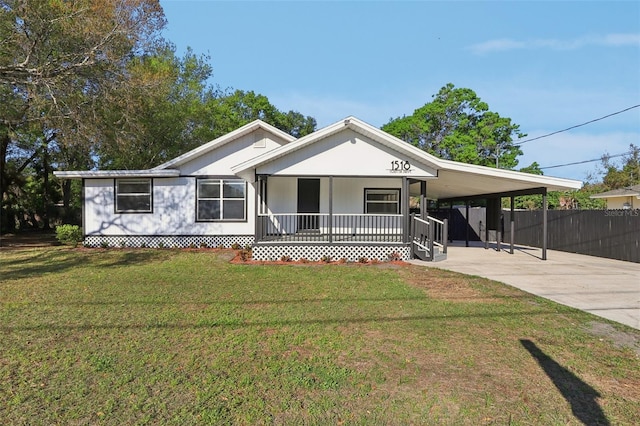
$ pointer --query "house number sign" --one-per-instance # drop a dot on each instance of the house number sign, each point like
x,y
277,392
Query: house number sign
x,y
400,166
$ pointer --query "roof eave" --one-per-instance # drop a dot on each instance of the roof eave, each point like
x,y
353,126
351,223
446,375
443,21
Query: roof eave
x,y
108,174
550,182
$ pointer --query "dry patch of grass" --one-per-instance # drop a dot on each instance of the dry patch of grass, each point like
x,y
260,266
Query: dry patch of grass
x,y
619,338
452,286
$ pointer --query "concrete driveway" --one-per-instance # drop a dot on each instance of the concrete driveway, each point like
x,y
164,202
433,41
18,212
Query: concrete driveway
x,y
604,287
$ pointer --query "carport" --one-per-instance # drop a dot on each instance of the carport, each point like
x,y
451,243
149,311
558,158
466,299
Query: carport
x,y
459,182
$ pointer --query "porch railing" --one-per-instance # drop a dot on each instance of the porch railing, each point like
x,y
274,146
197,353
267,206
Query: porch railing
x,y
322,227
429,237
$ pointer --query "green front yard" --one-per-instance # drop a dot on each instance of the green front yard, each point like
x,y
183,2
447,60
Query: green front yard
x,y
183,337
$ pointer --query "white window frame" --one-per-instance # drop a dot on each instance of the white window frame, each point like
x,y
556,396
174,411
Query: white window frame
x,y
221,199
119,194
377,191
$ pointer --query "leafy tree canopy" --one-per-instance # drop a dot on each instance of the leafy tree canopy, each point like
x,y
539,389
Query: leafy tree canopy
x,y
628,174
171,109
458,126
533,168
58,61
240,107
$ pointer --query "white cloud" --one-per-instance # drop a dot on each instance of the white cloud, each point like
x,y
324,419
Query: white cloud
x,y
621,40
506,44
498,45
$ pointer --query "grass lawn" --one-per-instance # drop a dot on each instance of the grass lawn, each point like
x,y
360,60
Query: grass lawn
x,y
183,337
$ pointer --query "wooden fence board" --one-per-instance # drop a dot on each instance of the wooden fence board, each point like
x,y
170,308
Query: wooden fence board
x,y
613,234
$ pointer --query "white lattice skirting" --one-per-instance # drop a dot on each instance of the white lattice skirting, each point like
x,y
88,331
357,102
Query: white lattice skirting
x,y
168,241
315,253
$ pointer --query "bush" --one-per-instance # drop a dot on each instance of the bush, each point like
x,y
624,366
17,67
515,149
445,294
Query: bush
x,y
69,234
245,255
394,257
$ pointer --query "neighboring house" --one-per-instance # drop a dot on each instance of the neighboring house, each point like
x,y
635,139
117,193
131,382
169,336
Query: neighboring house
x,y
340,192
623,198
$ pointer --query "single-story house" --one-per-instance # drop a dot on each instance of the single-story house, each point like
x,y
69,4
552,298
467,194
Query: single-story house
x,y
623,198
340,192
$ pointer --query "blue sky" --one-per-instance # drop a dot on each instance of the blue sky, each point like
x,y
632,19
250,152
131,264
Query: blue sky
x,y
547,65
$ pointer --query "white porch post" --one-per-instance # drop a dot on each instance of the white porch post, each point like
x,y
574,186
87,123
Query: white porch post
x,y
258,208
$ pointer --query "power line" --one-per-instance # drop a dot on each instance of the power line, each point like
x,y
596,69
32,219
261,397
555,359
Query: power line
x,y
578,125
585,161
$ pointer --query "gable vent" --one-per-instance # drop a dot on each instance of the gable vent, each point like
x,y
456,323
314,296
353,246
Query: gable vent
x,y
260,141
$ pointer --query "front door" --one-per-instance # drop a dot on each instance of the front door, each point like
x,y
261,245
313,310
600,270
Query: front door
x,y
308,202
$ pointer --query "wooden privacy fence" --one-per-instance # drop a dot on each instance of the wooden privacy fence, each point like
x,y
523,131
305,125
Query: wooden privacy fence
x,y
614,234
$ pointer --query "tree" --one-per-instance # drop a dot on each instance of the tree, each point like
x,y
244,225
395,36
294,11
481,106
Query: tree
x,y
533,168
144,128
238,108
160,115
58,60
627,175
52,43
458,126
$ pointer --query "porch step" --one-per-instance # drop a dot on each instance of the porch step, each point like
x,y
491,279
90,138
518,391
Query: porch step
x,y
437,255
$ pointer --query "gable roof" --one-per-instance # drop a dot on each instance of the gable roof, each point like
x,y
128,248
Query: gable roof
x,y
455,179
166,169
629,191
222,140
352,123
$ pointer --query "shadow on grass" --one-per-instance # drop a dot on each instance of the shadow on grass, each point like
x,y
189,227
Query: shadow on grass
x,y
239,323
578,394
41,262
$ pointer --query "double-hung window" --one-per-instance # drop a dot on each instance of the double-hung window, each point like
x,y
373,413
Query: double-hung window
x,y
133,196
382,201
221,199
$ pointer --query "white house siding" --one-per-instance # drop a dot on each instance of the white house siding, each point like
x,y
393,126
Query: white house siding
x,y
345,154
173,211
219,161
174,203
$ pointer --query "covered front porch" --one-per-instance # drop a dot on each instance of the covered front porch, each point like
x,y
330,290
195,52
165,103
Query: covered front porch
x,y
327,217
